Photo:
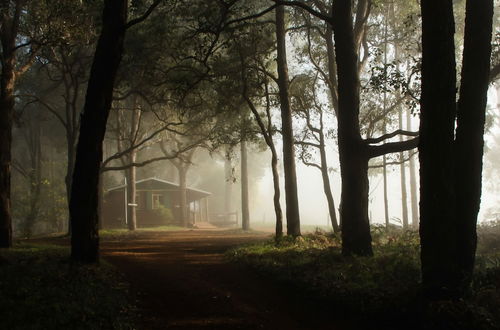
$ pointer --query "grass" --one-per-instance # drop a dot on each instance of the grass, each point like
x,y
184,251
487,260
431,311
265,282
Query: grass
x,y
41,289
384,289
125,233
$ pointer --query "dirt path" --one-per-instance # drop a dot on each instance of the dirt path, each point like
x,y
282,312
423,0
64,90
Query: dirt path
x,y
183,282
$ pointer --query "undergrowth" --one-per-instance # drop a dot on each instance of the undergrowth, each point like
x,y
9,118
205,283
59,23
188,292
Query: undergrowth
x,y
41,289
382,291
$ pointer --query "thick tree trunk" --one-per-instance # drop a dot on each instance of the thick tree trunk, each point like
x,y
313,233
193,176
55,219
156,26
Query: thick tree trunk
x,y
440,277
470,130
100,201
7,82
6,113
402,169
84,190
413,181
69,175
291,194
353,153
245,209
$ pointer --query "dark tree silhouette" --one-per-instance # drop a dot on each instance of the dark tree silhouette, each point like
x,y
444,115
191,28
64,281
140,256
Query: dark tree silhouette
x,y
451,159
84,191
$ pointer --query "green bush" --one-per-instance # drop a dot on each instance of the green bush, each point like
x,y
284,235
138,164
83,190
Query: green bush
x,y
165,214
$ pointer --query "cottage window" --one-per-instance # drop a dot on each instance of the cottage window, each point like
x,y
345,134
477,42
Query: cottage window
x,y
157,201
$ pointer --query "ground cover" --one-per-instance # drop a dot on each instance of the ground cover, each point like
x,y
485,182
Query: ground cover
x,y
41,289
382,291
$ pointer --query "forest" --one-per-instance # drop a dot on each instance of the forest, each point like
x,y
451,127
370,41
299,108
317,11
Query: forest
x,y
244,164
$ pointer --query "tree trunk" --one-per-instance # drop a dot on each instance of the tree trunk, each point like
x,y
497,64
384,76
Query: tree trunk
x,y
470,130
413,180
69,174
184,212
440,277
353,153
451,169
386,198
291,195
131,192
245,209
7,82
228,188
402,169
384,129
276,198
100,201
84,190
134,130
35,177
326,180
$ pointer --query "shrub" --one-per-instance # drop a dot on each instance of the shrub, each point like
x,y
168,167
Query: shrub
x,y
165,214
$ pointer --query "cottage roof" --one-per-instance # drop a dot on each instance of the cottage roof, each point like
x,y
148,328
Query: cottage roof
x,y
164,185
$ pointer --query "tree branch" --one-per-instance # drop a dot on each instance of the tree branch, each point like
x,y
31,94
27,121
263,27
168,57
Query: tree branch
x,y
307,8
144,16
390,135
375,151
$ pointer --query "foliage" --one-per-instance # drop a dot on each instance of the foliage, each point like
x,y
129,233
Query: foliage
x,y
165,214
384,289
41,289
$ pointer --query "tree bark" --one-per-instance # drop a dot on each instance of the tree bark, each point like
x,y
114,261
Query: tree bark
x,y
413,181
35,177
469,141
245,210
228,188
437,116
182,170
402,169
132,171
8,36
131,193
291,194
268,137
326,179
451,167
84,190
276,198
353,153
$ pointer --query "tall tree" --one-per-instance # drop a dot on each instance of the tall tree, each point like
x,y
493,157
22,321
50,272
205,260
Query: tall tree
x,y
10,12
84,191
451,157
291,194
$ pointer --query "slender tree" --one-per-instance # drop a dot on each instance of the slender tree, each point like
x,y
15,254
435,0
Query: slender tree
x,y
291,194
245,209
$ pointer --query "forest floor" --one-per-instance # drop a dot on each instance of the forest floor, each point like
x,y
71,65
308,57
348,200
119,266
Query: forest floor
x,y
182,280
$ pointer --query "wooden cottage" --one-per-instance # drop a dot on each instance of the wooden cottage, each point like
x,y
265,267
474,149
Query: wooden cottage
x,y
157,204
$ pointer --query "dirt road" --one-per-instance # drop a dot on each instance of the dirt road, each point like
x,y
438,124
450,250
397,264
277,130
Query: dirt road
x,y
182,281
